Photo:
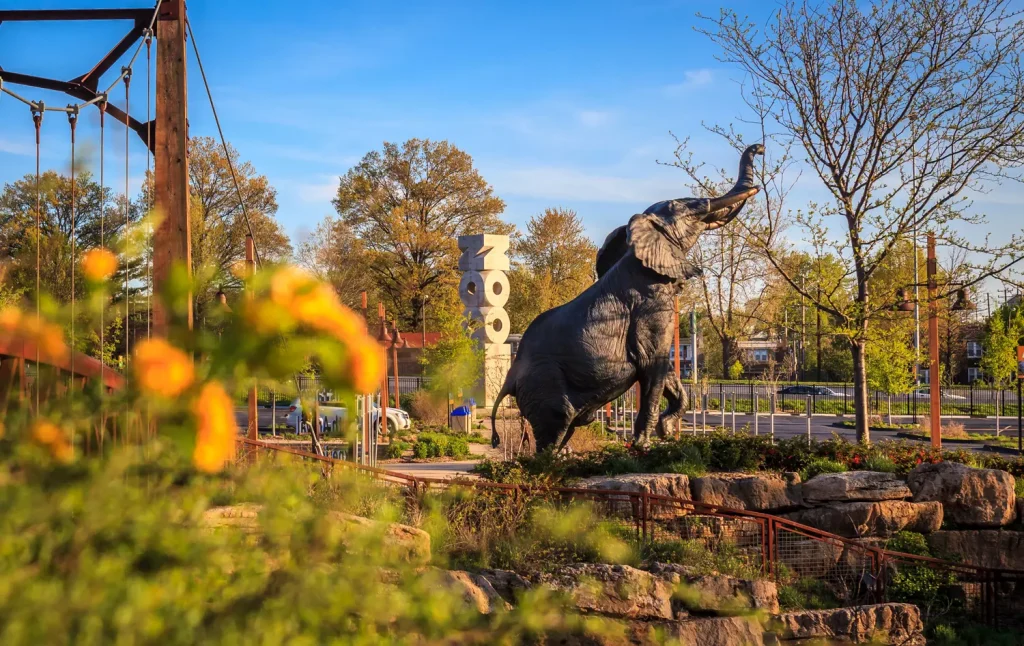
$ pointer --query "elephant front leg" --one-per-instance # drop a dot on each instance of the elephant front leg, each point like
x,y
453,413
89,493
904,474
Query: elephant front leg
x,y
651,388
678,400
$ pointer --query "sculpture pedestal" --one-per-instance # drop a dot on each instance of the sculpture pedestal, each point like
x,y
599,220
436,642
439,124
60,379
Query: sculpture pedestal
x,y
497,359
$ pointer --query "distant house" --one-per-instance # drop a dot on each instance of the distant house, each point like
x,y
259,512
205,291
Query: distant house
x,y
685,357
410,350
757,351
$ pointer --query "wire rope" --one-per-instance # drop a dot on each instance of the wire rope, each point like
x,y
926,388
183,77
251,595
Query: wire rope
x,y
103,232
73,122
37,119
127,73
149,189
224,143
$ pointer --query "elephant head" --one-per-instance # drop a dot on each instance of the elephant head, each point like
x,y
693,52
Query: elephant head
x,y
662,235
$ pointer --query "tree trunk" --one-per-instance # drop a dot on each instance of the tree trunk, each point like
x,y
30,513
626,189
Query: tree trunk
x,y
860,389
727,359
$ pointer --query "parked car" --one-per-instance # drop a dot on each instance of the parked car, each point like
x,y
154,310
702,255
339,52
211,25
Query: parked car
x,y
820,391
397,418
925,393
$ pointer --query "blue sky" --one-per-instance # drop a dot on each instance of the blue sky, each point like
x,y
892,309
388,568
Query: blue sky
x,y
560,104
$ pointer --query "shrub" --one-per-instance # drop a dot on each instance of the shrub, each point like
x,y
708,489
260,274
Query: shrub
x,y
427,408
807,594
909,543
877,462
736,370
822,465
477,438
396,449
438,445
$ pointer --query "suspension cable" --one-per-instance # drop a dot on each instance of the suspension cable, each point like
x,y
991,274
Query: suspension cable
x,y
127,72
224,143
149,189
37,119
73,122
103,215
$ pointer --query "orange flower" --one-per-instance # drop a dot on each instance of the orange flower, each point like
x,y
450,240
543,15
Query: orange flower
x,y
47,337
285,282
162,369
217,430
52,437
365,364
98,264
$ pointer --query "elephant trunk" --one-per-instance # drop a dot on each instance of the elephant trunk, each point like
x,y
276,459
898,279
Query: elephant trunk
x,y
743,189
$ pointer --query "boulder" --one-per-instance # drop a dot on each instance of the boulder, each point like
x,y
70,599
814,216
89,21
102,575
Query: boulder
x,y
994,548
477,591
396,541
715,593
864,519
757,492
853,486
725,631
507,583
889,623
970,497
674,485
616,590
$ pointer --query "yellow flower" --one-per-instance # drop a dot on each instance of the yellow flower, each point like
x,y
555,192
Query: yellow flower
x,y
52,437
10,317
98,264
216,428
365,364
162,369
267,318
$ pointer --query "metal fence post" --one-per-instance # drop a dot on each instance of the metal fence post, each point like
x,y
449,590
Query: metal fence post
x,y
771,414
704,414
734,413
808,420
757,408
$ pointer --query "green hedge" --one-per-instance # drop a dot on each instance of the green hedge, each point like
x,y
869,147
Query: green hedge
x,y
438,445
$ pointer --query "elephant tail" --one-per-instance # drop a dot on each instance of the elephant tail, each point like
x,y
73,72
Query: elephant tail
x,y
508,388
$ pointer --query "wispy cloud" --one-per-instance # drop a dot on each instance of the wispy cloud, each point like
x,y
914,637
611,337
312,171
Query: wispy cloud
x,y
595,118
691,79
322,191
14,148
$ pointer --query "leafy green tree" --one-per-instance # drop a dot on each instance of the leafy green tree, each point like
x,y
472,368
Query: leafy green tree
x,y
552,264
890,364
736,370
999,360
455,363
408,204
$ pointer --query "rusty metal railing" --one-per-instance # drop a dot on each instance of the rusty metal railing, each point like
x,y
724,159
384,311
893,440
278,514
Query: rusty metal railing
x,y
855,572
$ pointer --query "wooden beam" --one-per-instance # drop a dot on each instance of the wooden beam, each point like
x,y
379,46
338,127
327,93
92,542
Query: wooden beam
x,y
172,241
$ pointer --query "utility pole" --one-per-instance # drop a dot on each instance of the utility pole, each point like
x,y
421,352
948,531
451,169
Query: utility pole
x,y
935,408
678,372
693,331
803,331
817,332
172,241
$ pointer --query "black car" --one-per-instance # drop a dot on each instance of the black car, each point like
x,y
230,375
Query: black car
x,y
809,390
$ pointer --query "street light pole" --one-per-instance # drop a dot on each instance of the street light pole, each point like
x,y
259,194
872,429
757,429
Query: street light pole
x,y
935,412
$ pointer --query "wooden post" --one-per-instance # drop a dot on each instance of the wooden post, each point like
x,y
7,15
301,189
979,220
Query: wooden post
x,y
383,420
250,267
172,241
935,412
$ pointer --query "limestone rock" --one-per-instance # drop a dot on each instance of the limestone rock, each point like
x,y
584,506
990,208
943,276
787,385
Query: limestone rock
x,y
854,486
397,541
616,590
725,631
757,492
970,497
889,623
507,583
992,548
716,593
476,590
674,485
864,519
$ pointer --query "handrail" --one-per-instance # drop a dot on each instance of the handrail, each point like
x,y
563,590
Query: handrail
x,y
717,510
85,366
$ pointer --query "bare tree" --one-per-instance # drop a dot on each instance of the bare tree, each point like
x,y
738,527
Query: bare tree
x,y
903,108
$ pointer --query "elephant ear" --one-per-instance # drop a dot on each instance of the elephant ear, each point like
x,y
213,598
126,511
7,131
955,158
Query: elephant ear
x,y
615,247
654,247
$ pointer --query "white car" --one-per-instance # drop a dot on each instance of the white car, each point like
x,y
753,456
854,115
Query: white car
x,y
925,393
397,418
